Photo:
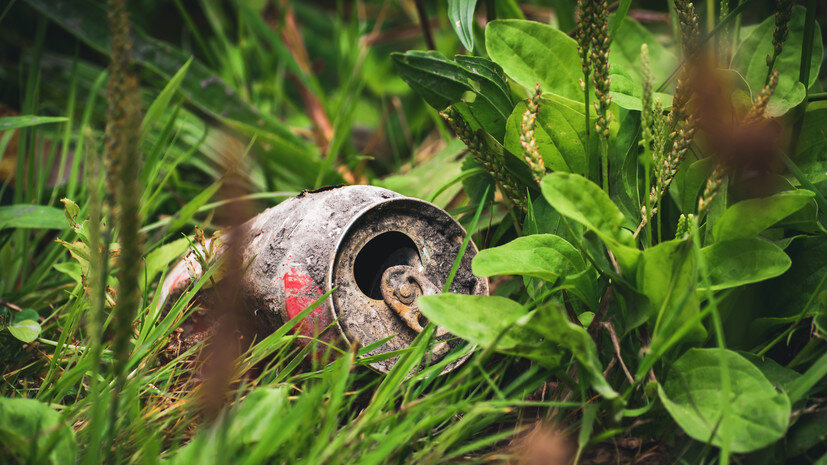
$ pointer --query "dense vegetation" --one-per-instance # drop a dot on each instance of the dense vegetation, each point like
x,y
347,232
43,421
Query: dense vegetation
x,y
646,181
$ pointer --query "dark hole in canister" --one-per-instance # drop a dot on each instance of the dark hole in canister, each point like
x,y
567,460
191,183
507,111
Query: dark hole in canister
x,y
380,253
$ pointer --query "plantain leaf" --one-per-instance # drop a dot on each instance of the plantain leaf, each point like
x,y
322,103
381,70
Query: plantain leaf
x,y
471,81
811,147
461,15
668,276
583,201
552,324
625,65
758,415
751,61
477,319
743,261
25,326
543,256
749,218
560,134
532,52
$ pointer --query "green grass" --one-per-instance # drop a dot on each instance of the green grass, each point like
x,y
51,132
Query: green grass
x,y
222,82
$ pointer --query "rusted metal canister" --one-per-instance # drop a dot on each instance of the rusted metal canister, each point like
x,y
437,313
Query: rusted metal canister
x,y
378,249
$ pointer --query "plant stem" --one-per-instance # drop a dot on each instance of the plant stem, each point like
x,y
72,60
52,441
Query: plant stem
x,y
710,15
491,10
807,45
604,158
425,24
586,110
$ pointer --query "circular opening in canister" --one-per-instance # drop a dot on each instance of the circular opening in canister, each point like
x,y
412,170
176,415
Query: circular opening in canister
x,y
380,253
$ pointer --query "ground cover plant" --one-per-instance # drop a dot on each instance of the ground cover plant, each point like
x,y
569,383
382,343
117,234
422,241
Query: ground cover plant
x,y
646,182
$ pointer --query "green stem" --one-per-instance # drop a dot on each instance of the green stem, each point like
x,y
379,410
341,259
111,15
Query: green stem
x,y
807,44
710,15
604,158
491,10
586,110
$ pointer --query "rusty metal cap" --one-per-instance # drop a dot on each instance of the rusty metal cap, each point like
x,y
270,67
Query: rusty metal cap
x,y
390,254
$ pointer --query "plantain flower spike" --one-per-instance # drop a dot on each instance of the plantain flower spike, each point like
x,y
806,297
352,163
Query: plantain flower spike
x,y
531,154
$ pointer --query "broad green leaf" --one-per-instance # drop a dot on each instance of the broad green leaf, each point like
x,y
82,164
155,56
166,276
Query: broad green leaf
x,y
543,256
625,66
513,163
474,81
461,15
246,426
667,276
491,79
565,13
792,293
560,133
25,326
743,261
477,319
32,432
811,147
749,218
758,414
553,325
531,52
583,201
32,217
24,121
627,93
541,218
625,53
475,185
751,61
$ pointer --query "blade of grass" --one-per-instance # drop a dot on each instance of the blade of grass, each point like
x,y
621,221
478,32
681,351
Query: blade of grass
x,y
465,241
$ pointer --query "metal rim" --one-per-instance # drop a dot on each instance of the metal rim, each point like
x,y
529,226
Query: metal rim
x,y
334,314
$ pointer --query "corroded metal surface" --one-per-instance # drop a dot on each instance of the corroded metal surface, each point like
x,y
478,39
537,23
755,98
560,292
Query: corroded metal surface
x,y
380,251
